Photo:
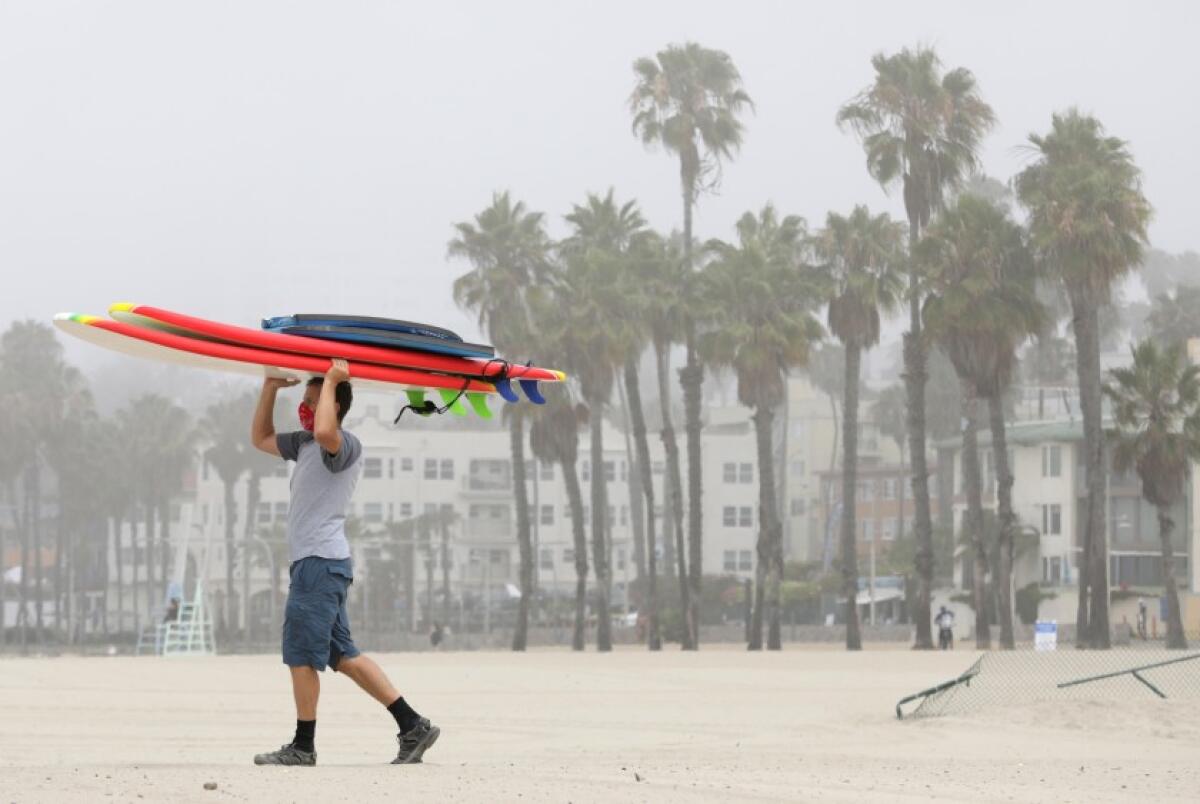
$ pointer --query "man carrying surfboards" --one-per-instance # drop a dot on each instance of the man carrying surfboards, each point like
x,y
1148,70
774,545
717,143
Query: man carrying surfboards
x,y
316,628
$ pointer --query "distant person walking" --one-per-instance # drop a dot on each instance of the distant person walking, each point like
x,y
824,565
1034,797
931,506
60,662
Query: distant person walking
x,y
316,626
945,625
1141,619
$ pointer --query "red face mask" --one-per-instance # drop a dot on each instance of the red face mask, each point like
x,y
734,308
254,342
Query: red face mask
x,y
307,416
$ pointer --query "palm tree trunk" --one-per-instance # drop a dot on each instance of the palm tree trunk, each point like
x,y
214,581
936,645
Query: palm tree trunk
x,y
637,525
646,478
691,378
1087,345
770,531
849,495
575,499
22,617
1006,519
38,569
599,514
675,487
974,520
915,377
1176,640
148,557
516,434
253,497
230,519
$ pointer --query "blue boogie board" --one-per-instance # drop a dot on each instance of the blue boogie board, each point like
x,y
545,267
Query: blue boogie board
x,y
278,323
392,338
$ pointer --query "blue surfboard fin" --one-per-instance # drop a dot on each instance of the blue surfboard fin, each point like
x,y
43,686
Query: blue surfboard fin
x,y
505,389
532,392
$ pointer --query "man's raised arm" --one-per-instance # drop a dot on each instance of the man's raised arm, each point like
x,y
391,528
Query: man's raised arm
x,y
262,430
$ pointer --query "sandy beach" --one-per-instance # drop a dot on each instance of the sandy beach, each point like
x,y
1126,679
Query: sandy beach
x,y
721,724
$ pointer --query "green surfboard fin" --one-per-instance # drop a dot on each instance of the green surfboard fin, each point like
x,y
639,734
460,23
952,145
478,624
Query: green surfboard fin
x,y
450,397
416,398
479,404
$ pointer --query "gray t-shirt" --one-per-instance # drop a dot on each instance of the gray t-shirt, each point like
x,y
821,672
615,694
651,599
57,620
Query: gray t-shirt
x,y
321,488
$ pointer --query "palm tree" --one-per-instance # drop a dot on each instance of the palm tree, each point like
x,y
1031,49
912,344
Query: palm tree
x,y
687,99
763,326
888,413
590,293
1175,318
982,306
663,307
1087,222
554,438
223,429
862,254
508,250
920,129
45,391
159,437
619,230
1156,410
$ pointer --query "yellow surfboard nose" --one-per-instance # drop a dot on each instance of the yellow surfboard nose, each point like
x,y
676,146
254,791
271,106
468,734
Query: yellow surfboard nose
x,y
121,307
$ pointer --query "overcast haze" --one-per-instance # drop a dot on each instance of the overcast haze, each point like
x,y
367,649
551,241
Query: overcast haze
x,y
240,159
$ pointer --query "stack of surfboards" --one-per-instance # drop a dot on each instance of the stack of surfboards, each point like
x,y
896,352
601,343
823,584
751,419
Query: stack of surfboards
x,y
382,353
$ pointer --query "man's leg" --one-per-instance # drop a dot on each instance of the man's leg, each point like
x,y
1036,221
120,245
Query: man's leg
x,y
306,689
417,734
363,670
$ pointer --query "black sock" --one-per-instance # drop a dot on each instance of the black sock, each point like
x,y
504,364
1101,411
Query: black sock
x,y
305,731
406,718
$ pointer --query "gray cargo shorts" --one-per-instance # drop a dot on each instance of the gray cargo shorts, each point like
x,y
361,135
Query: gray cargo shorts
x,y
316,627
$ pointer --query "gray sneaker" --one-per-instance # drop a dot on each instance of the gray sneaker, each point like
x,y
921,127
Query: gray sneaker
x,y
415,742
287,755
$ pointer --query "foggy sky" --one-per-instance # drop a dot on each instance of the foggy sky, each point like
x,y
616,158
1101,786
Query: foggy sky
x,y
242,159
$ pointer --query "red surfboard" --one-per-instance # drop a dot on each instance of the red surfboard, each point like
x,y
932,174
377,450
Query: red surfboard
x,y
286,360
155,318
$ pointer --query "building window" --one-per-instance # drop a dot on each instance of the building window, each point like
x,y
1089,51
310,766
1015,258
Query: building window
x,y
866,490
889,529
264,513
431,467
1052,461
568,555
406,510
547,515
746,473
745,560
889,488
447,469
729,516
730,561
745,517
585,471
546,558
620,558
406,464
391,468
546,471
610,471
373,512
729,472
1052,570
281,509
624,471
1052,520
373,467
391,514
656,468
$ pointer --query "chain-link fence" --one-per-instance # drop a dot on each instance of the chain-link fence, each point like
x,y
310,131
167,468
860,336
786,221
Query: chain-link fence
x,y
1026,675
